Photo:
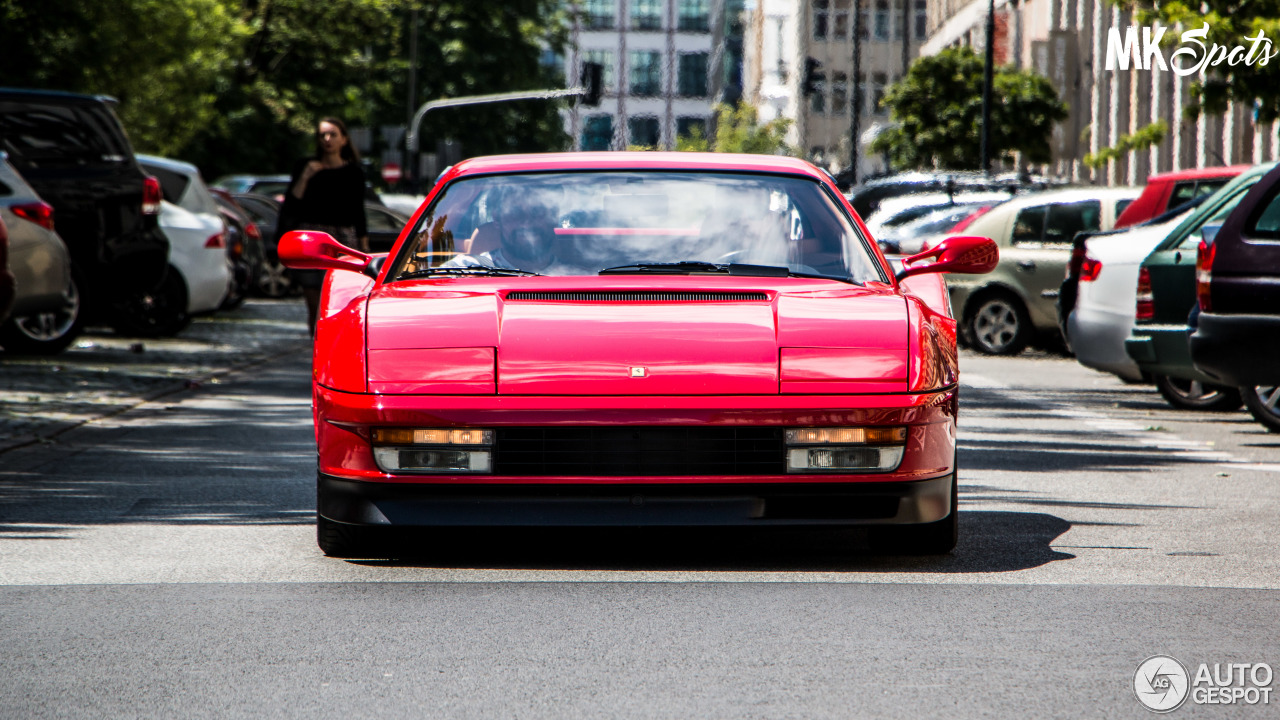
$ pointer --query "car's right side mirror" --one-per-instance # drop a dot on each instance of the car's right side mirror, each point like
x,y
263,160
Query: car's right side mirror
x,y
966,254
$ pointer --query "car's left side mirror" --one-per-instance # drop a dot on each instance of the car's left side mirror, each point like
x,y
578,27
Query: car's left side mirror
x,y
313,250
967,254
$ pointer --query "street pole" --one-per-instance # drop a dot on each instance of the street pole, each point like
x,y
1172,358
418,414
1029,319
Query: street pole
x,y
410,163
855,110
986,87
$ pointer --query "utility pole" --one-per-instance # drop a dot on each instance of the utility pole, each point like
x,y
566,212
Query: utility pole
x,y
855,114
986,87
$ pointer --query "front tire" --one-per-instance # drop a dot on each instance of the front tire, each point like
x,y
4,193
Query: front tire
x,y
46,333
1263,403
1195,395
999,325
162,312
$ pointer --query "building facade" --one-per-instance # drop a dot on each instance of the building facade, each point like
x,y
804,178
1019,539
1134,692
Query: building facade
x,y
1066,40
666,62
825,64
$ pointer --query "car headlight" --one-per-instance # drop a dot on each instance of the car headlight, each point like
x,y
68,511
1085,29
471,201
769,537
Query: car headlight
x,y
844,450
433,450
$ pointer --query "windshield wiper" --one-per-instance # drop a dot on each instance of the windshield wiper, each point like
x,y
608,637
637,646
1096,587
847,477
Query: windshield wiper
x,y
691,267
467,271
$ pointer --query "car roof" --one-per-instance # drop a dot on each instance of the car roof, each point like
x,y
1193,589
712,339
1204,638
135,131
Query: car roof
x,y
1199,173
678,161
54,95
1043,197
177,166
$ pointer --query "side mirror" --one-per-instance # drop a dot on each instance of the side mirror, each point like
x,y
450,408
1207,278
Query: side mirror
x,y
312,250
966,254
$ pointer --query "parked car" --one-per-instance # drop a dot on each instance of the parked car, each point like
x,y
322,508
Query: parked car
x,y
896,212
246,248
40,310
1171,189
273,278
1166,295
676,329
72,150
1236,340
199,270
274,186
912,237
384,226
1001,313
1106,290
866,197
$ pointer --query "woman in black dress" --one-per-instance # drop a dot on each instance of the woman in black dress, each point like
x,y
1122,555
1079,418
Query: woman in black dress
x,y
326,193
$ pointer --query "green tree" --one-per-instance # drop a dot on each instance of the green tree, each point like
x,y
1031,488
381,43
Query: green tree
x,y
1229,21
937,113
738,130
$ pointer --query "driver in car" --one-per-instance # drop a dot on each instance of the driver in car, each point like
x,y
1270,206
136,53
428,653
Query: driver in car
x,y
521,236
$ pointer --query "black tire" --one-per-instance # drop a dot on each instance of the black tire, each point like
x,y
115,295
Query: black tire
x,y
935,538
1194,395
45,333
341,540
998,324
1263,403
162,312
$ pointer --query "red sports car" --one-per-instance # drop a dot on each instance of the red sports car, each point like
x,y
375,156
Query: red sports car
x,y
635,339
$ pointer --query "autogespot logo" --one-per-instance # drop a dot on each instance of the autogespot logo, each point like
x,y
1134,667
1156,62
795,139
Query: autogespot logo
x,y
1161,683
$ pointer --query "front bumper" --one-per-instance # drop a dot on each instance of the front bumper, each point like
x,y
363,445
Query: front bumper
x,y
1237,350
634,505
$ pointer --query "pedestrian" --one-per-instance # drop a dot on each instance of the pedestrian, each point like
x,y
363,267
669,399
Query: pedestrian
x,y
326,193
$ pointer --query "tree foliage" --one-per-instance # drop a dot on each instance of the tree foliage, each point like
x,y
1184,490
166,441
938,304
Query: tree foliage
x,y
936,111
1152,134
237,85
738,130
1229,21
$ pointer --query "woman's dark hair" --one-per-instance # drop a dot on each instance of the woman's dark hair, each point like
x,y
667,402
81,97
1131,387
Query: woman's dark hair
x,y
348,151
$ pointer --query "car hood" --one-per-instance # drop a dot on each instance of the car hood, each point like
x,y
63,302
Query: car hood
x,y
539,337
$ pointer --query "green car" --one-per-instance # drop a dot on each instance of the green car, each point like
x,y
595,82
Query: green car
x,y
1166,296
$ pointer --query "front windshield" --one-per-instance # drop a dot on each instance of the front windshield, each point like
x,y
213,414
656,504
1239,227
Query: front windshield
x,y
580,223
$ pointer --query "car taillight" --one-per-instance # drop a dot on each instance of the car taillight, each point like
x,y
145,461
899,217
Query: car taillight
x,y
1089,269
1204,274
40,213
252,231
1146,306
217,240
151,196
1076,261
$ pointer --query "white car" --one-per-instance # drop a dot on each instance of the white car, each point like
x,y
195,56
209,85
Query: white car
x,y
199,266
1107,292
895,212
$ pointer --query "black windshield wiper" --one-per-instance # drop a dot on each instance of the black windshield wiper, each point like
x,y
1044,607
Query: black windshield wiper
x,y
467,271
691,267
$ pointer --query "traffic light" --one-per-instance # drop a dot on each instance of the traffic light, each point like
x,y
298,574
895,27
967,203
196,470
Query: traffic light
x,y
592,83
811,76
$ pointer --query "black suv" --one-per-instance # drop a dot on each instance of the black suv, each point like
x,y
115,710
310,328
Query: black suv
x,y
73,151
1237,331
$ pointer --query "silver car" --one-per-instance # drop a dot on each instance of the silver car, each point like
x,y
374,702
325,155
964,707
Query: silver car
x,y
45,316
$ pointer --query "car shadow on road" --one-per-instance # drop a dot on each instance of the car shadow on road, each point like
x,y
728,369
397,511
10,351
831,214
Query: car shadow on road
x,y
990,541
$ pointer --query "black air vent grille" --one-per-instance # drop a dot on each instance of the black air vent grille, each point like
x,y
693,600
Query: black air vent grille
x,y
639,297
632,451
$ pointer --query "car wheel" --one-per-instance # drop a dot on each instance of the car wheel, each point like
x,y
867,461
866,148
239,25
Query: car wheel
x,y
45,333
162,312
1195,395
341,540
274,280
999,325
935,538
1263,403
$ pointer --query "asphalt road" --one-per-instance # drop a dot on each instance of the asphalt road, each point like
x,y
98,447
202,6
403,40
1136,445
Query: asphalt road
x,y
157,559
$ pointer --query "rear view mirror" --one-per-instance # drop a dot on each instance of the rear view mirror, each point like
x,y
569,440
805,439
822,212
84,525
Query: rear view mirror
x,y
313,250
967,254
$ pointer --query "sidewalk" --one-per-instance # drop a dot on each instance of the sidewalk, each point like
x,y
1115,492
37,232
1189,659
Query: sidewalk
x,y
103,374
